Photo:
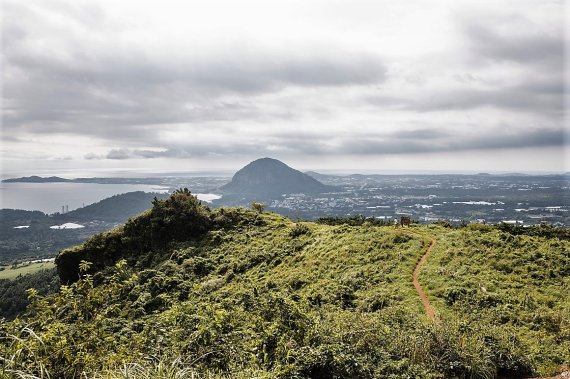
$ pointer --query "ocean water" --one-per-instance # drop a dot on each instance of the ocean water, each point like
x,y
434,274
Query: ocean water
x,y
50,197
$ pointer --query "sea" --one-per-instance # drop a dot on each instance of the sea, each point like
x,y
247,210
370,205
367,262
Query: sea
x,y
50,197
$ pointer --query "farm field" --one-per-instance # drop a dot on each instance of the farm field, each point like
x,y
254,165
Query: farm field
x,y
8,272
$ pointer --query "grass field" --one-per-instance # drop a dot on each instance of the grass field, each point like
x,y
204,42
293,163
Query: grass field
x,y
11,273
258,293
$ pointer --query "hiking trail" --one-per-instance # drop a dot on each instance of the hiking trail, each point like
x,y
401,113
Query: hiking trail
x,y
429,309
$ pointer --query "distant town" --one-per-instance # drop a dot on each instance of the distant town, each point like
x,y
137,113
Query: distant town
x,y
526,200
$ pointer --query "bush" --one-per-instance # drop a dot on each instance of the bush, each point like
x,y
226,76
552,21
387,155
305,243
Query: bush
x,y
181,217
299,229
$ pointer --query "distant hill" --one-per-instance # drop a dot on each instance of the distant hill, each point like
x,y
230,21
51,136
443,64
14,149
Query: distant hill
x,y
57,179
320,177
118,208
36,179
268,177
9,215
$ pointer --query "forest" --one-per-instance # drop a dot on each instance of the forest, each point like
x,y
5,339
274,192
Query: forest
x,y
186,291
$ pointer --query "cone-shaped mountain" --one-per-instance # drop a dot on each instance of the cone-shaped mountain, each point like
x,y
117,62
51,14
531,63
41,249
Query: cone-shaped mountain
x,y
270,177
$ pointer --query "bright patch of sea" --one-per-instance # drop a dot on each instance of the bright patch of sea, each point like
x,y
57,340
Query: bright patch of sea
x,y
50,197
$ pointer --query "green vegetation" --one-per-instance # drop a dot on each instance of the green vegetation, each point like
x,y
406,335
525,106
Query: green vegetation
x,y
182,290
13,292
510,281
11,272
259,207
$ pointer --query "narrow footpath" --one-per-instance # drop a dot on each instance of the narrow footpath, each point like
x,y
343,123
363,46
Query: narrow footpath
x,y
429,309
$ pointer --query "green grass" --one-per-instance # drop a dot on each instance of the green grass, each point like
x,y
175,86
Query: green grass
x,y
258,293
519,284
22,269
361,268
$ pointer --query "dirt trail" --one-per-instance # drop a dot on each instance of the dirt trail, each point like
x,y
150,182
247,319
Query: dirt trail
x,y
430,310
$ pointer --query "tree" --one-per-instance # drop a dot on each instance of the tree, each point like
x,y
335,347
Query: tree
x,y
259,207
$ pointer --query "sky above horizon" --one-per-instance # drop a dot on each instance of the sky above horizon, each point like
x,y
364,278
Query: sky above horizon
x,y
170,86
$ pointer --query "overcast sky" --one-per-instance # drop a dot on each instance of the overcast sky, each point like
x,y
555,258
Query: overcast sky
x,y
161,86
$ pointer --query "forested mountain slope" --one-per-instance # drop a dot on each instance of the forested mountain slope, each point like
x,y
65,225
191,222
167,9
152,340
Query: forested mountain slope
x,y
182,289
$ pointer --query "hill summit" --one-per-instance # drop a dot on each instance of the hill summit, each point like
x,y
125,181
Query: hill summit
x,y
271,177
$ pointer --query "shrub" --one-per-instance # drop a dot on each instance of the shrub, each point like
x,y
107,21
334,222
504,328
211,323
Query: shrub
x,y
181,217
299,229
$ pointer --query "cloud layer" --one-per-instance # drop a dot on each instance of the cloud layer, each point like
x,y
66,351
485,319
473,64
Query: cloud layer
x,y
106,82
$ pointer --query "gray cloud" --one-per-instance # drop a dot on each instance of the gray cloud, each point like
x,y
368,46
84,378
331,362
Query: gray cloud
x,y
118,154
532,46
115,92
527,47
110,93
397,143
74,69
497,140
112,104
534,55
93,156
519,98
419,134
544,98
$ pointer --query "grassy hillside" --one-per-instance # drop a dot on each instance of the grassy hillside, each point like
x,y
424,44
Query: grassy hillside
x,y
514,283
24,268
186,290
